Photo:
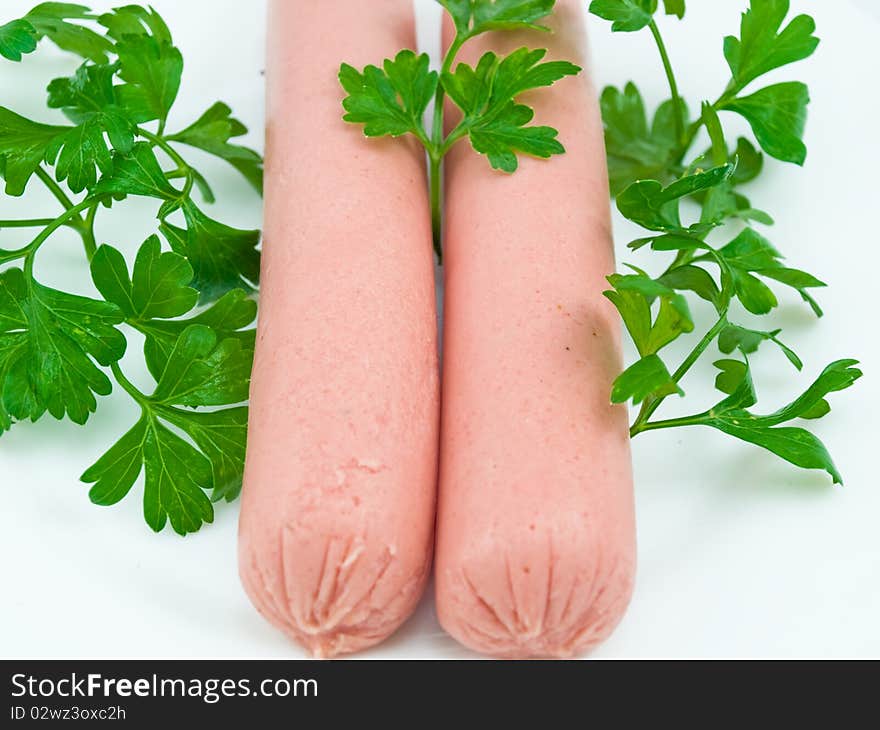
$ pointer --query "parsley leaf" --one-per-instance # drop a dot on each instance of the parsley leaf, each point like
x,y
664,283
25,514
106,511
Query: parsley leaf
x,y
520,71
158,287
734,337
204,372
627,15
139,173
63,334
159,291
634,296
199,372
228,317
17,39
190,438
495,124
501,137
176,476
645,377
472,17
761,47
89,100
634,151
51,20
795,445
18,402
656,208
135,20
674,7
223,258
750,253
777,115
509,14
212,131
23,147
733,374
688,277
149,62
152,69
390,100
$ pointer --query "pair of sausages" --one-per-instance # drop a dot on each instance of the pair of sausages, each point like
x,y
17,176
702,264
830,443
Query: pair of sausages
x,y
535,547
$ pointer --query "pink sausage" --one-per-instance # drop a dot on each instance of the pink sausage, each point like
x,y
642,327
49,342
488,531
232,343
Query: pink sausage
x,y
536,538
338,505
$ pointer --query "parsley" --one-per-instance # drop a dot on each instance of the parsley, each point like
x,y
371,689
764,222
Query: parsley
x,y
392,100
187,293
653,186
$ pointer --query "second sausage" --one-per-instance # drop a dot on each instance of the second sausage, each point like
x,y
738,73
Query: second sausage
x,y
536,547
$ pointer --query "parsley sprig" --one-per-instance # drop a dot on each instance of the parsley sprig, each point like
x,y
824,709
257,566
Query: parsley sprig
x,y
188,292
394,98
653,185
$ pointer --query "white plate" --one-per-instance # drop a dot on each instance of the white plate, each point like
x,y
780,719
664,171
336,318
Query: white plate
x,y
739,554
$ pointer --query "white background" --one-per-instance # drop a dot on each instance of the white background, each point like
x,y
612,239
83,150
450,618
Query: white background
x,y
739,553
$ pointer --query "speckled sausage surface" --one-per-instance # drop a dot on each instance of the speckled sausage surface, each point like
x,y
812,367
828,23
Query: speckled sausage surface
x,y
338,505
536,539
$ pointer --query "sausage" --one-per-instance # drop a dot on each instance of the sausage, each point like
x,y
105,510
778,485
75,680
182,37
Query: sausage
x,y
337,514
536,536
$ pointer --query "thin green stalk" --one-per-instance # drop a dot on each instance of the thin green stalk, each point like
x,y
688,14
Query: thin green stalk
x,y
436,185
61,220
649,406
182,165
700,348
165,147
437,149
27,223
88,233
54,187
7,256
128,387
695,420
59,194
690,135
440,96
678,116
456,134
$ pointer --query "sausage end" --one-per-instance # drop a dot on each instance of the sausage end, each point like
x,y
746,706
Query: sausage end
x,y
545,594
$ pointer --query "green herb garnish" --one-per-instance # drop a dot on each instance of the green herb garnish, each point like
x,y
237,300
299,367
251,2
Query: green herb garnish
x,y
652,183
392,100
188,291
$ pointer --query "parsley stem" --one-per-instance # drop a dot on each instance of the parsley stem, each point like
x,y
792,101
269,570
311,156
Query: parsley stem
x,y
27,223
60,196
678,115
165,147
7,256
700,348
650,405
88,233
436,184
695,420
61,220
437,130
128,387
54,187
437,149
729,93
182,165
